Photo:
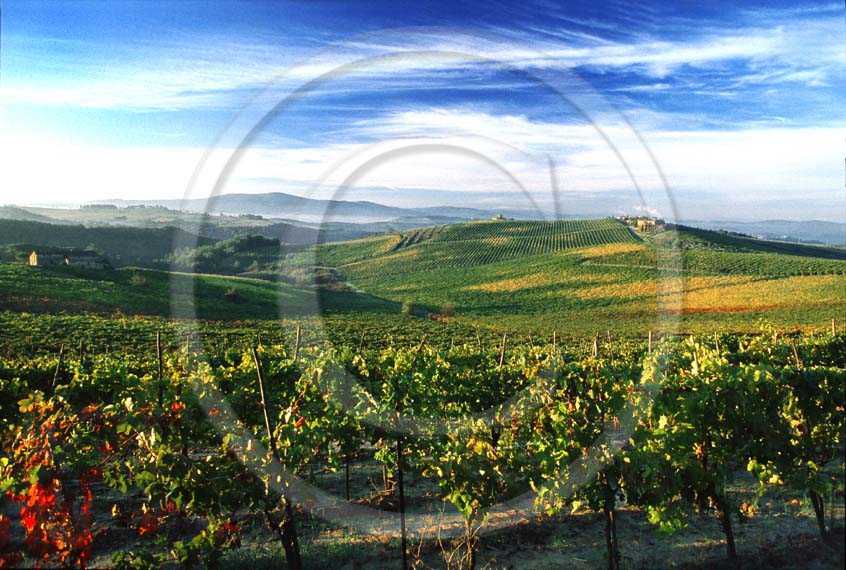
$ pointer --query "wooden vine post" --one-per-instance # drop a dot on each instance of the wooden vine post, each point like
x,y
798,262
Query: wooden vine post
x,y
297,344
502,349
400,482
401,487
288,533
159,360
347,477
263,406
58,368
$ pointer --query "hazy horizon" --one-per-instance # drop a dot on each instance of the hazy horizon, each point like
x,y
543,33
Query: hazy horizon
x,y
713,112
546,211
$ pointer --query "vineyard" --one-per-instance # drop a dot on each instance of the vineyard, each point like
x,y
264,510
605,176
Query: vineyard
x,y
467,396
224,448
571,276
694,238
713,262
477,243
579,276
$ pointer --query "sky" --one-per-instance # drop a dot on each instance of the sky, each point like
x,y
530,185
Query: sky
x,y
688,110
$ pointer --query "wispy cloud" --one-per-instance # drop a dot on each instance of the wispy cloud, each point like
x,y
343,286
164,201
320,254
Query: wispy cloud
x,y
205,71
470,152
734,107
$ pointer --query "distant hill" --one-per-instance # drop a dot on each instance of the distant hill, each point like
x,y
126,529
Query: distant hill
x,y
218,227
282,205
17,213
807,231
122,245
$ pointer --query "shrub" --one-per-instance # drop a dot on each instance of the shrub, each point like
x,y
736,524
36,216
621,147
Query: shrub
x,y
448,309
232,294
138,280
408,308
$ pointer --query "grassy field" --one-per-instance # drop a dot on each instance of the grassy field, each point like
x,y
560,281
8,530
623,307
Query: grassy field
x,y
575,277
150,292
584,276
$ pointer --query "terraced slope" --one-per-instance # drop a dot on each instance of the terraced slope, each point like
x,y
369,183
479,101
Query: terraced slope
x,y
689,238
594,274
472,244
704,252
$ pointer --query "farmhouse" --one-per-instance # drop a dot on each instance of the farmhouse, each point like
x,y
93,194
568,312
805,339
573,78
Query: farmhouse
x,y
644,224
38,258
71,257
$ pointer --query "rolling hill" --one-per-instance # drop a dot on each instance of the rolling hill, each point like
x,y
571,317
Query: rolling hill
x,y
220,226
817,231
714,240
282,205
122,245
574,276
137,291
595,274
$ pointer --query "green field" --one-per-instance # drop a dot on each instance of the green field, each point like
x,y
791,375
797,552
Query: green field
x,y
133,461
582,276
565,320
136,291
571,277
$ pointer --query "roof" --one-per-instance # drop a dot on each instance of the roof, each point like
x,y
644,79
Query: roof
x,y
67,252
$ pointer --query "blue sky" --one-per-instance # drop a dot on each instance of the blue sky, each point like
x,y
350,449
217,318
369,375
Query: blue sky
x,y
741,107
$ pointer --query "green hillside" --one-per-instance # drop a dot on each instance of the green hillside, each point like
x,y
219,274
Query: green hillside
x,y
473,243
698,239
151,292
594,274
573,276
123,245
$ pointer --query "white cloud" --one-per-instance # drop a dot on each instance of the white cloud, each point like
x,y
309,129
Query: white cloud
x,y
744,162
709,169
45,170
207,72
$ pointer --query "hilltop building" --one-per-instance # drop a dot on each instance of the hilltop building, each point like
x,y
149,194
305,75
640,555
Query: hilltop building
x,y
644,223
70,257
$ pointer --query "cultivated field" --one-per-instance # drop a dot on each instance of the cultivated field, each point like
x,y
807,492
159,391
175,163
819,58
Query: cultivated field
x,y
524,394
